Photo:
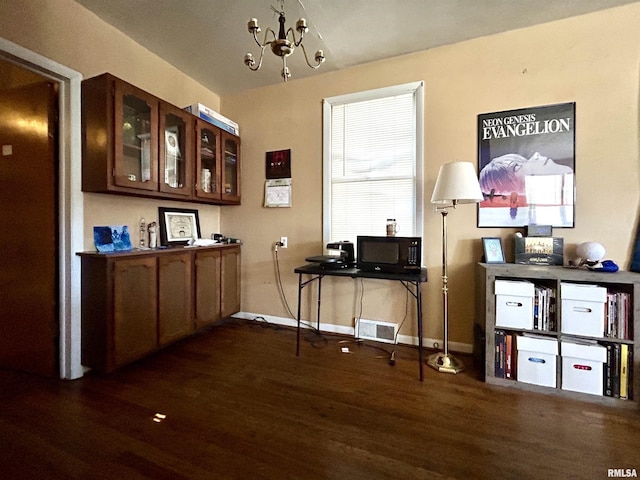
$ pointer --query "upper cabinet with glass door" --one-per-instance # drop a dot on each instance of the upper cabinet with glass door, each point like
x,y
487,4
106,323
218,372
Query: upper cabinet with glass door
x,y
176,151
207,161
135,162
120,137
136,144
230,168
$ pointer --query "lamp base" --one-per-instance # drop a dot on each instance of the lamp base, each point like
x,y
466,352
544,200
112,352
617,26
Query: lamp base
x,y
445,363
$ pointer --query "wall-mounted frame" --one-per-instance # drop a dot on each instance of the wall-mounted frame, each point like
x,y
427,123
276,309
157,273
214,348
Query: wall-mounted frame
x,y
493,252
178,225
278,164
526,165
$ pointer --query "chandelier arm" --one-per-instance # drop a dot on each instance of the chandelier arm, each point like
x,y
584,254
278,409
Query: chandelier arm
x,y
257,67
266,34
304,50
295,42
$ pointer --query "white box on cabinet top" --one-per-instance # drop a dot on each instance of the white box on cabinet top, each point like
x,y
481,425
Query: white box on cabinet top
x,y
514,304
582,367
582,309
537,359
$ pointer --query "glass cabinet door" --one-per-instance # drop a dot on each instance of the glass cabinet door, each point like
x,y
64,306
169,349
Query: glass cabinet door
x,y
176,164
231,168
208,160
136,138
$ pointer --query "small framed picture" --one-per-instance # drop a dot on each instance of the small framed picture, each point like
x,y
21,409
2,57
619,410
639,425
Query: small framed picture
x,y
493,252
178,226
278,164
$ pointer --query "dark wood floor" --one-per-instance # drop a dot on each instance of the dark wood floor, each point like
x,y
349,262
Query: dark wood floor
x,y
240,405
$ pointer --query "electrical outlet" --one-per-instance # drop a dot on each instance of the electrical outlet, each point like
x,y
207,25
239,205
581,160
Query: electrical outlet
x,y
284,241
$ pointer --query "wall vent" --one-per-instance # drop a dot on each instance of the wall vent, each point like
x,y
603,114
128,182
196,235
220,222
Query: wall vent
x,y
376,330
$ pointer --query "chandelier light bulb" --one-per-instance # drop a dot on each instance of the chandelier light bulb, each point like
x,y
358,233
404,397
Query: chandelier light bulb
x,y
252,26
301,26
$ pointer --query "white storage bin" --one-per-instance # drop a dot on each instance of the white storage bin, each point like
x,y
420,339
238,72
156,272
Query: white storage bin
x,y
514,304
582,309
537,360
583,367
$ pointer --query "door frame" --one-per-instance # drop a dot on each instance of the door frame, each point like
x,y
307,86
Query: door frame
x,y
70,199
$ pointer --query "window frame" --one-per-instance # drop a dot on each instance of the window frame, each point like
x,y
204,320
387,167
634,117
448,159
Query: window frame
x,y
417,88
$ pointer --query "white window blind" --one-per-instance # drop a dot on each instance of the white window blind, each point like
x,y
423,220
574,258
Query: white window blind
x,y
372,163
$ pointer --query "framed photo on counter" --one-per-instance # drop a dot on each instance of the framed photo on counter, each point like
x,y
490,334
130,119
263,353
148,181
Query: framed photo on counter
x,y
178,226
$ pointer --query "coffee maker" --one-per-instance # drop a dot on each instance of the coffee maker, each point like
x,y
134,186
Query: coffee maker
x,y
346,251
345,257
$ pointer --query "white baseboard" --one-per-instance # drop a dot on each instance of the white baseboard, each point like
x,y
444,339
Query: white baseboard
x,y
331,328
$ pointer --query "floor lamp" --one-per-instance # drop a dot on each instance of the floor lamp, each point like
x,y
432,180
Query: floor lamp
x,y
457,183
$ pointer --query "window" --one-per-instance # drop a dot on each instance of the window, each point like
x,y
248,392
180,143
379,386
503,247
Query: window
x,y
372,162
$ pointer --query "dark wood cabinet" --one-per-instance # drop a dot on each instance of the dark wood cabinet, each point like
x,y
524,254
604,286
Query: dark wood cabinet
x,y
230,168
134,303
176,157
134,317
119,138
118,327
174,297
137,144
208,164
207,288
230,281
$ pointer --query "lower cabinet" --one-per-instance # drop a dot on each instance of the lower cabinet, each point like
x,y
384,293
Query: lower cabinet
x,y
174,297
134,316
134,303
207,288
230,278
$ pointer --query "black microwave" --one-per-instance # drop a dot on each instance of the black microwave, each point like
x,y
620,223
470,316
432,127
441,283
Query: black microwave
x,y
389,254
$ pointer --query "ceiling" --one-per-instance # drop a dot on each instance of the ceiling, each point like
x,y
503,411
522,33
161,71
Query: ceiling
x,y
207,39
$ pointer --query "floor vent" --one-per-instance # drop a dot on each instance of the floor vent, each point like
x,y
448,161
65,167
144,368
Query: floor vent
x,y
376,330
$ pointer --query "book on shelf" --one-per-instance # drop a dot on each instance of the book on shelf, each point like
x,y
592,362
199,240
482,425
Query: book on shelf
x,y
508,362
608,372
617,313
618,371
499,354
544,310
505,355
624,371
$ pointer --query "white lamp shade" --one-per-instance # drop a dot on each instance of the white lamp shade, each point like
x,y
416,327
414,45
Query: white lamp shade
x,y
457,182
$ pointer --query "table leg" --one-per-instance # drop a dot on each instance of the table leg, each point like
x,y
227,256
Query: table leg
x,y
419,317
319,290
299,303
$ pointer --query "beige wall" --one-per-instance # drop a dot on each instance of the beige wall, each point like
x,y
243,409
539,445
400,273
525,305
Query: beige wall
x,y
592,60
69,34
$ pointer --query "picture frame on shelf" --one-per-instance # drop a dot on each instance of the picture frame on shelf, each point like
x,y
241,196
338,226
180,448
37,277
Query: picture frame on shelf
x,y
178,226
493,252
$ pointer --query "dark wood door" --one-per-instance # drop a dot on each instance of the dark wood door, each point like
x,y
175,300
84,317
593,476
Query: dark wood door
x,y
29,321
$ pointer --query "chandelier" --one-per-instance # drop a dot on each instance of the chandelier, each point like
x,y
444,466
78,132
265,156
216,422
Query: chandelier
x,y
283,45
